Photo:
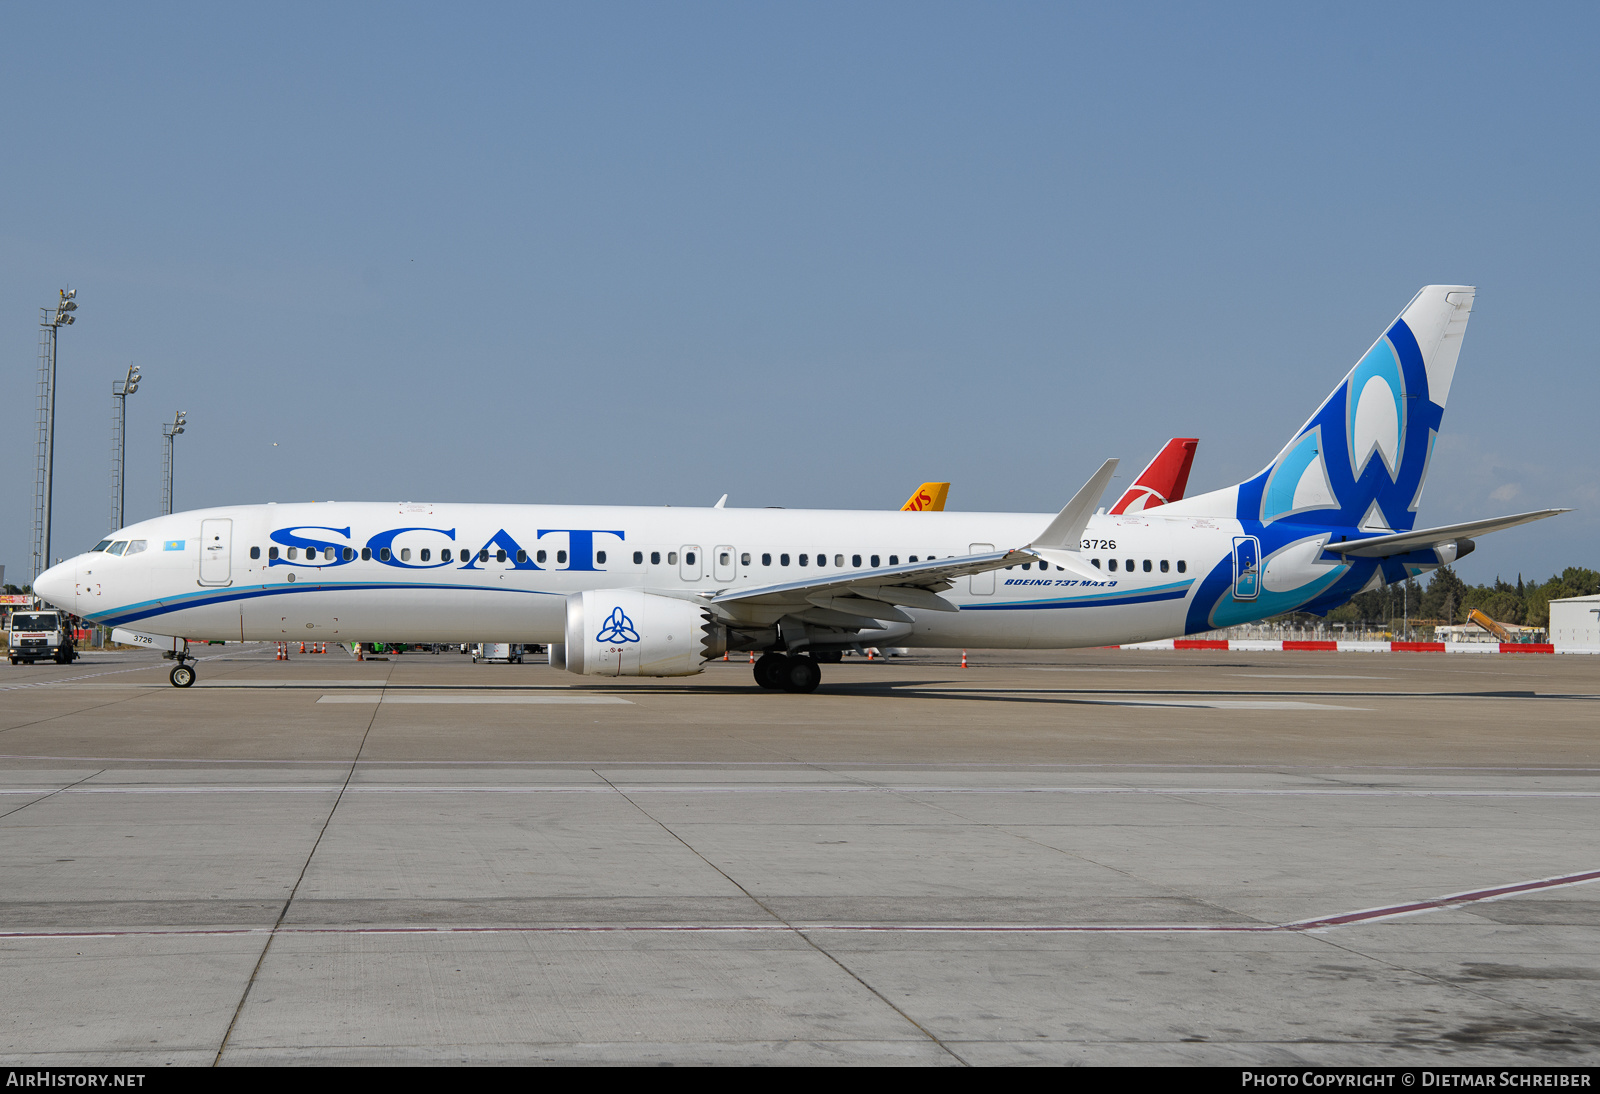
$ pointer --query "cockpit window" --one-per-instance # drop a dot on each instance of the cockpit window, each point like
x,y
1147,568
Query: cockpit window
x,y
135,546
101,546
118,547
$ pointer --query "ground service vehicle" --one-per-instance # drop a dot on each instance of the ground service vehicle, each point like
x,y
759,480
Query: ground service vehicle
x,y
37,636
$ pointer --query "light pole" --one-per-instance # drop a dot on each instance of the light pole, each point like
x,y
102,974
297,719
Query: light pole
x,y
45,446
120,390
168,432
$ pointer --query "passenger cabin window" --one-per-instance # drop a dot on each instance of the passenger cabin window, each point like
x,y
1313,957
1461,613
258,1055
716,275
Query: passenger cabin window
x,y
1164,566
540,557
483,555
838,560
272,552
875,562
1043,565
894,560
638,558
1182,566
600,557
1147,565
1111,564
655,557
783,560
913,558
688,557
744,559
724,558
804,559
255,552
766,560
383,554
293,553
427,555
500,555
672,558
405,554
350,553
1130,565
366,554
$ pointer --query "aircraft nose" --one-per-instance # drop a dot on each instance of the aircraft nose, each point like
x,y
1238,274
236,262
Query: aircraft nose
x,y
58,585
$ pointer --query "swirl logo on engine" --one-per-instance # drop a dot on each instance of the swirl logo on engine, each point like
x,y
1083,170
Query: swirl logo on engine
x,y
618,628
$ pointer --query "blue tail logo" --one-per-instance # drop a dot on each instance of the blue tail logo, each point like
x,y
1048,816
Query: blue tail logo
x,y
1362,458
618,628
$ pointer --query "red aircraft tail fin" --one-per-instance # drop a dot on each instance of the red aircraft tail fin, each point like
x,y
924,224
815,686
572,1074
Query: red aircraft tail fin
x,y
1163,481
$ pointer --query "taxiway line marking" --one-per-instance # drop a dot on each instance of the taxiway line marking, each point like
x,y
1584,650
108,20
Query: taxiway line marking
x,y
1326,792
1317,924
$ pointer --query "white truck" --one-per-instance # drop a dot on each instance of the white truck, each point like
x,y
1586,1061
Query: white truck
x,y
35,636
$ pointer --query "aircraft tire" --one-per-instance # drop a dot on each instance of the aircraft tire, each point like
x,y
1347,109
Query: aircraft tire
x,y
769,671
801,675
182,676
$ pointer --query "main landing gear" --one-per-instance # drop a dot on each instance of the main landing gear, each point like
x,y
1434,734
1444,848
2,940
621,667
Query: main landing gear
x,y
781,671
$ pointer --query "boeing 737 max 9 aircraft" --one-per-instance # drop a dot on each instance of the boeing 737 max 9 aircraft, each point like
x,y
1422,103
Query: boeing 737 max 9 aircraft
x,y
659,591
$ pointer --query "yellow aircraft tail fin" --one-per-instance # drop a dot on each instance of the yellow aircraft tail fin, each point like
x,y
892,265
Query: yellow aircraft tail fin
x,y
927,498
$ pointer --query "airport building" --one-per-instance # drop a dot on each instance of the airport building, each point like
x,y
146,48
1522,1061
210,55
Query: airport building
x,y
1575,620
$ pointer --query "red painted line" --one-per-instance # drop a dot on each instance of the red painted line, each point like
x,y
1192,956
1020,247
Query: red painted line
x,y
1527,647
1331,647
1454,900
1200,644
1416,647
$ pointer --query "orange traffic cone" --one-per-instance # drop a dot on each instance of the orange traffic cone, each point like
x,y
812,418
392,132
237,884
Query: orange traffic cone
x,y
283,651
302,647
963,658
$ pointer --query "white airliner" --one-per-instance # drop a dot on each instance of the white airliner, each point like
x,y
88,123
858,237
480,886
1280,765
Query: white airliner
x,y
638,591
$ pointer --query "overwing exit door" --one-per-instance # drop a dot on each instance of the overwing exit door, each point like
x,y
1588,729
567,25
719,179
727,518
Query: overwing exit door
x,y
981,584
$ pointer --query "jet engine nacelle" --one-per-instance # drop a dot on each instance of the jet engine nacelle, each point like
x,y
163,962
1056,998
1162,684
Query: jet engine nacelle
x,y
629,632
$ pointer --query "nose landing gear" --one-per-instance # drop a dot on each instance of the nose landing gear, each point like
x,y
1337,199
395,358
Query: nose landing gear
x,y
182,674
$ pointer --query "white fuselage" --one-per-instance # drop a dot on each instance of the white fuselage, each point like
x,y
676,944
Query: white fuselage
x,y
211,574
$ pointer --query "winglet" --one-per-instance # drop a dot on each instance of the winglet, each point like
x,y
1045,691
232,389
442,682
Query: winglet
x,y
721,502
1067,529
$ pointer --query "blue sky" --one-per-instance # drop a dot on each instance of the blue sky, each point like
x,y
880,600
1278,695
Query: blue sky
x,y
808,255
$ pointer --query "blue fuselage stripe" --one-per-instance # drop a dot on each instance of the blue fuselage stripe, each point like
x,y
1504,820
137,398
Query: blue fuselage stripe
x,y
149,609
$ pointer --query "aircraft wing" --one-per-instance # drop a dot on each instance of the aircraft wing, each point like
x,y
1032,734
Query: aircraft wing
x,y
1400,543
865,592
879,593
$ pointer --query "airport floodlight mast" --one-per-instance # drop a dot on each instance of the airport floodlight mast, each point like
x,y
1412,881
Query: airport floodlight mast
x,y
50,323
120,390
168,432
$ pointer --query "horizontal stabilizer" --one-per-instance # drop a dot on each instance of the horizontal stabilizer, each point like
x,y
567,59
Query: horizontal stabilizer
x,y
1401,543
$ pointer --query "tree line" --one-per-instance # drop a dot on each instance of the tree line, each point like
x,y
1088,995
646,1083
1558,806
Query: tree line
x,y
1447,599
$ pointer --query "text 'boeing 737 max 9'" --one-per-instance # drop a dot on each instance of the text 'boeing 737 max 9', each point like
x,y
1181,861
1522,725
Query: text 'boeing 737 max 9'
x,y
630,591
